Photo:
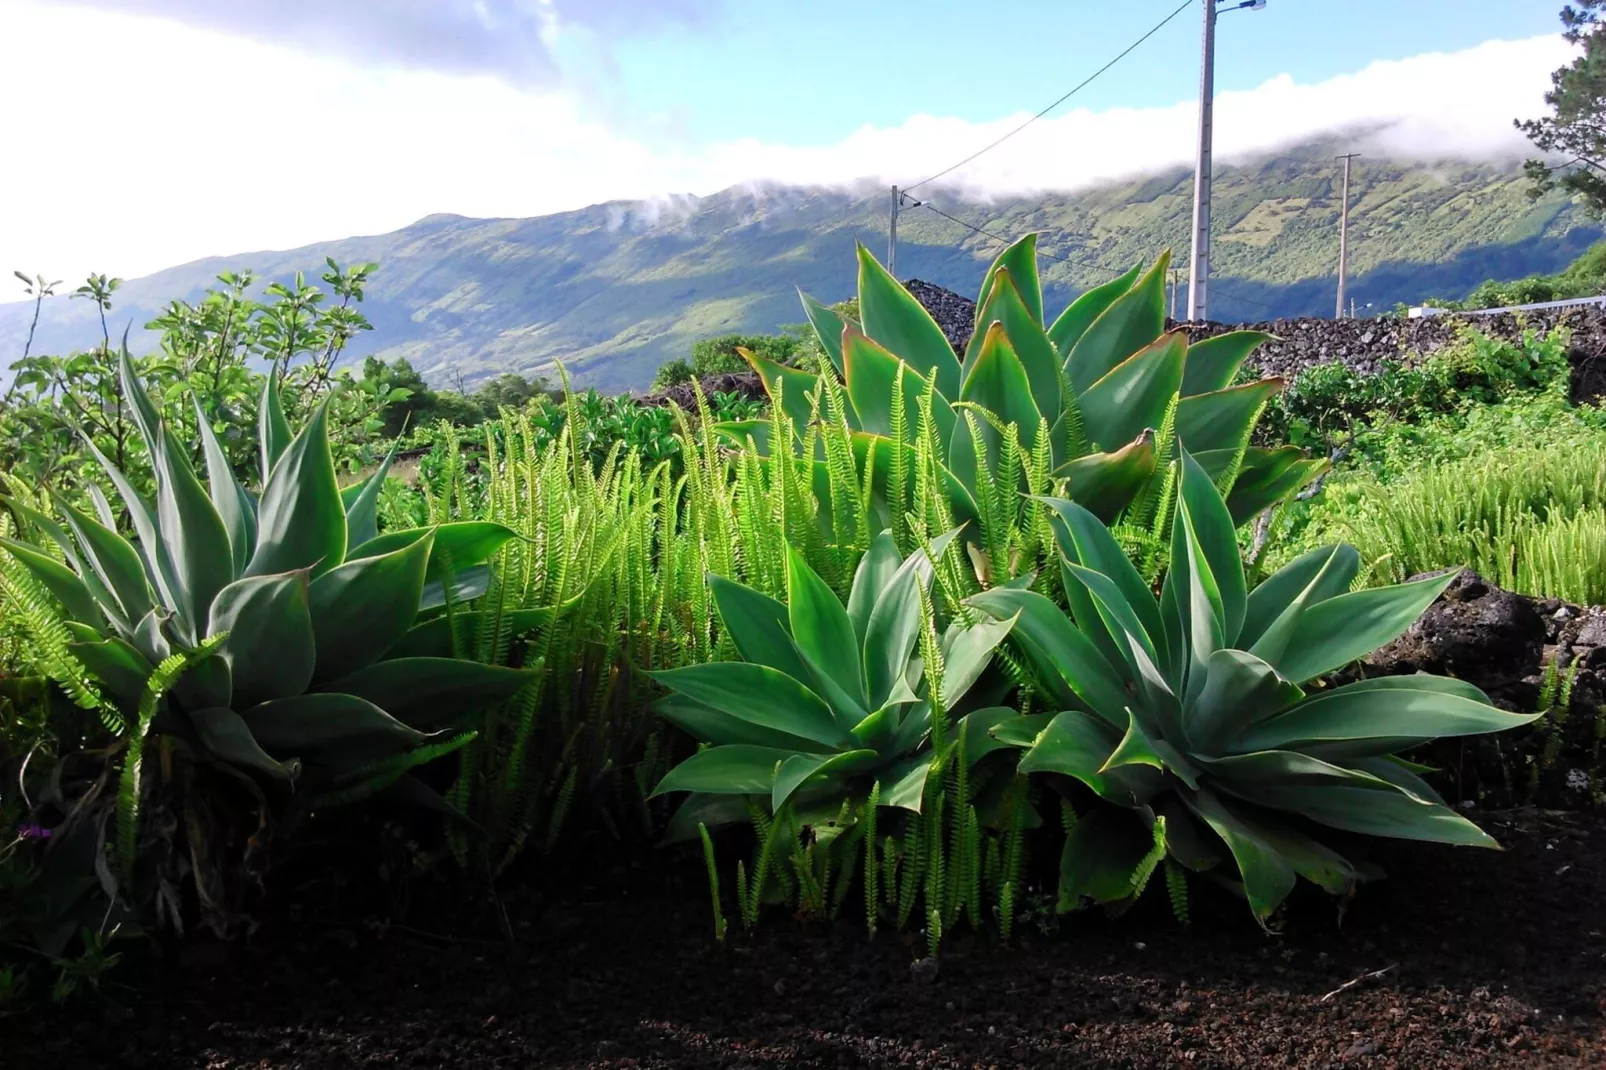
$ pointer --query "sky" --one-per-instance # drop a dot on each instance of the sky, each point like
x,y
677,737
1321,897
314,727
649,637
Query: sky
x,y
145,133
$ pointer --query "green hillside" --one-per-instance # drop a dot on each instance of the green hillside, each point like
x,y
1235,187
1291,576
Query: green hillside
x,y
614,290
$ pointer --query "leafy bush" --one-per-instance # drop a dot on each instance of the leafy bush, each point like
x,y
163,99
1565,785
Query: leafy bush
x,y
1189,709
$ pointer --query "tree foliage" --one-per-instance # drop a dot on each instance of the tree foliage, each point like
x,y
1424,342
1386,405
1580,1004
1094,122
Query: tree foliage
x,y
1574,135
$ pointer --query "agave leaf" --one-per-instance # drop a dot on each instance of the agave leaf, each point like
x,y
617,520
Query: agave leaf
x,y
196,539
1068,661
1397,772
825,638
434,638
139,512
1076,744
1019,262
762,696
738,432
1102,852
273,430
804,769
301,522
1192,605
876,569
1070,325
795,388
757,625
1106,483
901,324
1218,540
876,379
1025,730
894,628
362,522
467,585
903,784
1223,419
1240,691
270,648
56,578
1131,322
1392,709
1007,304
149,637
139,402
1136,393
457,546
307,724
979,730
708,725
1213,362
828,327
226,736
1277,592
1269,856
967,651
1266,477
738,769
364,607
117,667
115,563
1331,634
432,693
997,381
1084,540
233,505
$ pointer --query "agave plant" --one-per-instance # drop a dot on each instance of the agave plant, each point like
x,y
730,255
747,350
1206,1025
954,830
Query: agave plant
x,y
293,640
1096,397
1201,710
828,700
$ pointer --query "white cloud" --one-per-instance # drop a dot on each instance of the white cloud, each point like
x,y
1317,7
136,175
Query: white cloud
x,y
134,144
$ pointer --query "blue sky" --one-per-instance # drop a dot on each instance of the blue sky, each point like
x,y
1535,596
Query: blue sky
x,y
810,74
404,108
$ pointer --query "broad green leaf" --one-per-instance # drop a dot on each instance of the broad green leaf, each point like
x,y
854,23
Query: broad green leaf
x,y
431,693
802,769
197,542
1389,709
1106,483
737,433
1213,362
467,585
306,724
708,725
300,522
1007,304
757,624
1075,744
1019,262
1218,539
902,325
363,608
233,506
1131,322
1266,477
979,730
139,402
1331,634
876,379
1070,325
1267,857
1024,731
967,651
1223,419
761,695
457,547
139,512
738,769
894,628
1064,656
1239,692
434,638
273,430
1135,394
1135,748
1192,605
1397,772
795,388
114,562
876,569
997,381
903,784
1084,540
117,667
57,579
824,635
362,523
1102,852
270,648
227,737
1277,592
828,325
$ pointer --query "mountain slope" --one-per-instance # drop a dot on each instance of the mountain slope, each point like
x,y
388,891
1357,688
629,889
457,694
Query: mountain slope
x,y
616,289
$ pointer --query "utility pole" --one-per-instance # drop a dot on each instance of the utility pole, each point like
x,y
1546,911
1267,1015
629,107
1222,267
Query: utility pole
x,y
1343,237
892,236
1199,265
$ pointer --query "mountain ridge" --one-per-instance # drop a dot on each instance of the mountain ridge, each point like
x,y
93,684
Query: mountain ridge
x,y
613,290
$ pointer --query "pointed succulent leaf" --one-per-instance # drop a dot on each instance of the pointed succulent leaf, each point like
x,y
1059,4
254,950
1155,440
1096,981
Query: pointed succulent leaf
x,y
708,725
894,628
273,430
1240,691
306,724
1066,659
196,539
1131,322
1213,362
115,563
139,402
1070,325
823,631
233,506
1019,262
301,522
757,624
967,651
1106,483
363,608
1218,540
1270,856
270,648
457,546
1134,395
144,521
467,585
1073,744
432,693
435,639
997,381
876,569
1223,419
1084,540
763,696
897,321
73,594
828,325
802,769
227,737
795,388
1006,304
1331,634
995,728
362,523
738,769
1102,852
119,668
903,784
877,380
1269,476
1277,592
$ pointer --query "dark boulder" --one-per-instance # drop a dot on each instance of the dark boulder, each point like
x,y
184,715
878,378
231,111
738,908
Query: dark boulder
x,y
1474,632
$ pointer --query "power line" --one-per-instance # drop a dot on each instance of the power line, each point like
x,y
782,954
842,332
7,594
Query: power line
x,y
1076,89
984,233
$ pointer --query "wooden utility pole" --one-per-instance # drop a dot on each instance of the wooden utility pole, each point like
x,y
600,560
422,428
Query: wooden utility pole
x,y
1343,236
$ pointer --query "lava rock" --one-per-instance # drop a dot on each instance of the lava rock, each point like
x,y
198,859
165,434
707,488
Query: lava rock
x,y
1475,632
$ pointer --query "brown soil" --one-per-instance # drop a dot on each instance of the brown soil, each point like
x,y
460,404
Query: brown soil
x,y
1491,959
